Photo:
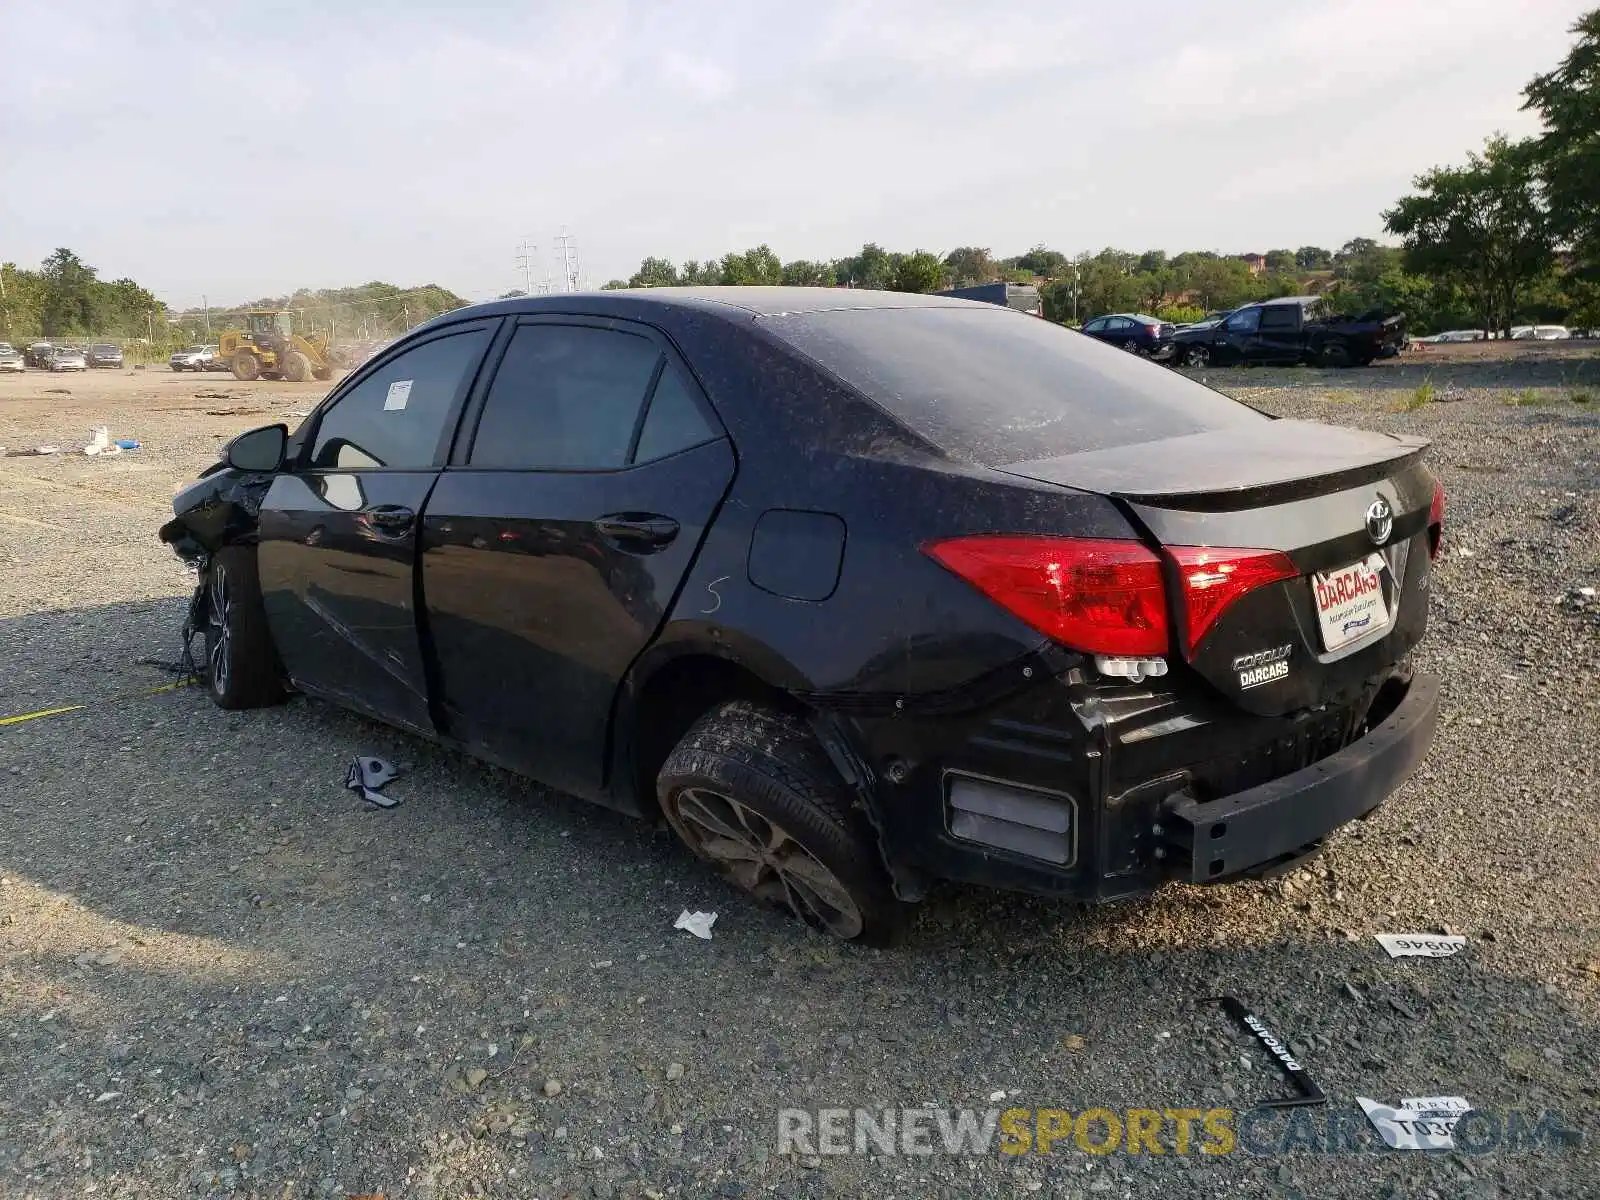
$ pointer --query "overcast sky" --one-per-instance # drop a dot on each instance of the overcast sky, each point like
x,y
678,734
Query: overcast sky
x,y
332,143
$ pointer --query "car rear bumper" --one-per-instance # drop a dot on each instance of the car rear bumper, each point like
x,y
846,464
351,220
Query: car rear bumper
x,y
1078,788
1279,822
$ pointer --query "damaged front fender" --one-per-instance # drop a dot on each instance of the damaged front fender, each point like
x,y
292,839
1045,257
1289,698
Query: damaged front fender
x,y
219,509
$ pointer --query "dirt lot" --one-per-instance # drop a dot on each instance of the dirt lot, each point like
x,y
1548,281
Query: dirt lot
x,y
220,974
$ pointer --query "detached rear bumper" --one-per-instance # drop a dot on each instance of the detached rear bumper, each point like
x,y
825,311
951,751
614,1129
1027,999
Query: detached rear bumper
x,y
1266,826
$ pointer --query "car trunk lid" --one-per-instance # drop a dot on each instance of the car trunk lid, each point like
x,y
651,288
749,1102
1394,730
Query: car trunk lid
x,y
1296,554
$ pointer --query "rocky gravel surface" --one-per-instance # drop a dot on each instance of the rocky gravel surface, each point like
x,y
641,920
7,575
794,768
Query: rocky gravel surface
x,y
221,974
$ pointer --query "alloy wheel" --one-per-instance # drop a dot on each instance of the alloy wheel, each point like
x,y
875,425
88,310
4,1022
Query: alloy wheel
x,y
218,611
1199,357
764,859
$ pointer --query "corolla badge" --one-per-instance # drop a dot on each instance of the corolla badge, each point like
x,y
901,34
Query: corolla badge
x,y
1380,521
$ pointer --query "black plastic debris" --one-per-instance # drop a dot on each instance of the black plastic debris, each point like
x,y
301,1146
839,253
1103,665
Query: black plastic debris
x,y
367,775
1308,1093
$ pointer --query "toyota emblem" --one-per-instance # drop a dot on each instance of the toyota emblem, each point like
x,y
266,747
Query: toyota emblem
x,y
1380,521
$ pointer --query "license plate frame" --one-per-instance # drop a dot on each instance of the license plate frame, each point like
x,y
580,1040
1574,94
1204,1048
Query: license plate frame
x,y
1351,602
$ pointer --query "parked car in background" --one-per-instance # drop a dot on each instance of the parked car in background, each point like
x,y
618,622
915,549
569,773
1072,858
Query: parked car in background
x,y
1459,335
1209,321
103,354
858,591
68,358
1295,329
38,354
194,358
1134,332
1550,333
1521,333
10,360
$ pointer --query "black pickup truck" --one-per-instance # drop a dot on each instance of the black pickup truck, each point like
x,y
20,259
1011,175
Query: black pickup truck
x,y
1295,329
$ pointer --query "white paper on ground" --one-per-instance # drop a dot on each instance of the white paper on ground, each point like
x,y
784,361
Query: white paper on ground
x,y
399,392
1419,1123
697,923
1425,945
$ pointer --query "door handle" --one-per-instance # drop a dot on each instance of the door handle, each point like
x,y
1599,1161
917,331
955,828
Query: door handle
x,y
643,531
392,519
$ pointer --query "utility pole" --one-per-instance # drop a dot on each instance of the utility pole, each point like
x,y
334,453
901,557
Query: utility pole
x,y
205,306
527,257
569,260
5,304
150,326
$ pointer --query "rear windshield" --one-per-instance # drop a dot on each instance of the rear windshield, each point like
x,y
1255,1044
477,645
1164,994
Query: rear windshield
x,y
992,387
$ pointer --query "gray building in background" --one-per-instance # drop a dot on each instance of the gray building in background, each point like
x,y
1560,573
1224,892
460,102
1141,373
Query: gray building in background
x,y
1023,297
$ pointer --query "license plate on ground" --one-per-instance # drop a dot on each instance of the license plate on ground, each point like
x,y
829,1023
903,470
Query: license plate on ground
x,y
1350,603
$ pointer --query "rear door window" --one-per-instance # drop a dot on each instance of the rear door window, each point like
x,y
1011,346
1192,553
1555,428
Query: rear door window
x,y
566,397
1001,387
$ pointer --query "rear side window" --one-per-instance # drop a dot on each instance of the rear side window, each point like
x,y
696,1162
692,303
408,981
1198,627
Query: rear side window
x,y
674,421
1280,316
566,397
395,416
995,387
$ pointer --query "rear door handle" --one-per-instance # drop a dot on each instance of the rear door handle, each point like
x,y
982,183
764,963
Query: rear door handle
x,y
393,519
641,531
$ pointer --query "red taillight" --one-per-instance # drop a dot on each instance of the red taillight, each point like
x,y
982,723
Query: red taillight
x,y
1436,521
1211,579
1098,596
1105,596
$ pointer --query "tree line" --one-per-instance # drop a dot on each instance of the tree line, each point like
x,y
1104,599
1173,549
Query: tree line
x,y
66,297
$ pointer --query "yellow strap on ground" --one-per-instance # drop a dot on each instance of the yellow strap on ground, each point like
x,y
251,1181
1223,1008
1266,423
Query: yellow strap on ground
x,y
72,708
43,712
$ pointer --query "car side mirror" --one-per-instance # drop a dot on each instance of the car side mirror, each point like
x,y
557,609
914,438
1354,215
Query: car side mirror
x,y
258,450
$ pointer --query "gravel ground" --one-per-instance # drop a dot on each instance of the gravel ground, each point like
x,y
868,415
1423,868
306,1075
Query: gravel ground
x,y
220,974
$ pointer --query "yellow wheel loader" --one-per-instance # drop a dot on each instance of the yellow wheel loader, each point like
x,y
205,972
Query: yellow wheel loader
x,y
269,348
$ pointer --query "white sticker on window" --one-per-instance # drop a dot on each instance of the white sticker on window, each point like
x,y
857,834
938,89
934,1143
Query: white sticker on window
x,y
399,393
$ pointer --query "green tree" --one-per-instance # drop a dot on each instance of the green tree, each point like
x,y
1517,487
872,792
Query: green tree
x,y
68,282
802,273
758,266
970,266
919,271
1480,226
613,285
1281,262
869,269
1041,261
655,272
700,274
1568,100
1313,258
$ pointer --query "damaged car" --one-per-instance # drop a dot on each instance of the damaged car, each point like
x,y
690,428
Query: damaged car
x,y
858,591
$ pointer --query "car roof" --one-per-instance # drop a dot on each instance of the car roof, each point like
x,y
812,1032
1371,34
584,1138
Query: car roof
x,y
756,301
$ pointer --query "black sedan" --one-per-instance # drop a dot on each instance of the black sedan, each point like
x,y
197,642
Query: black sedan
x,y
1133,332
859,590
104,354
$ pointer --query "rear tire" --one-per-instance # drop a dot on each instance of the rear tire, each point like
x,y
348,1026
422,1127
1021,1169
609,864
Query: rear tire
x,y
241,668
1335,354
246,366
751,791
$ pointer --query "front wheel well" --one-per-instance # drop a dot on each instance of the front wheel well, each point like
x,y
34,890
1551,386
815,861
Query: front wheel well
x,y
675,697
